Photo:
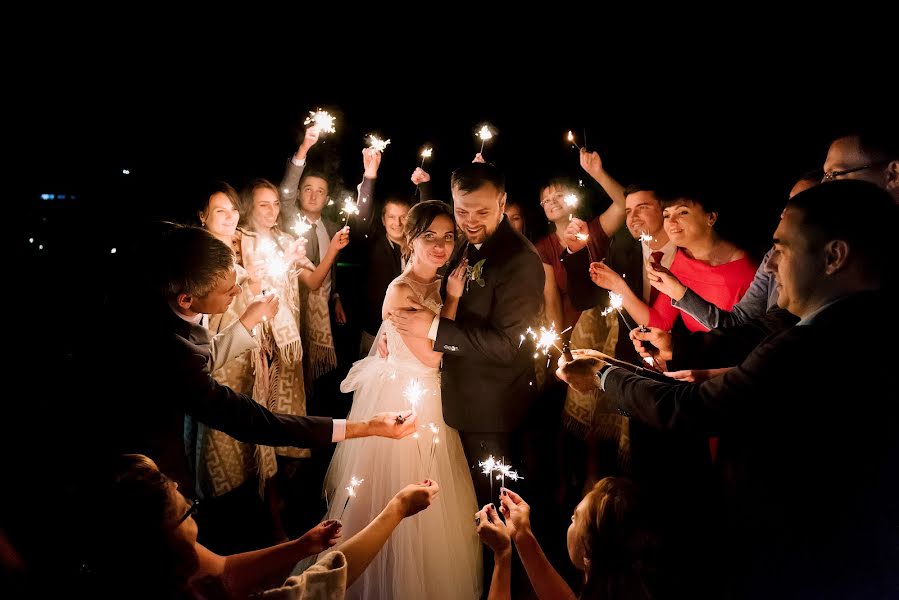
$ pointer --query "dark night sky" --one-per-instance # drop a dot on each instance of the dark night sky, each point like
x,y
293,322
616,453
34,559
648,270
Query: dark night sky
x,y
738,130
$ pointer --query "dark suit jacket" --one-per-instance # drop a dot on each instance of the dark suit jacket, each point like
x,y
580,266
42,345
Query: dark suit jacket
x,y
169,377
727,346
382,264
626,259
807,454
487,375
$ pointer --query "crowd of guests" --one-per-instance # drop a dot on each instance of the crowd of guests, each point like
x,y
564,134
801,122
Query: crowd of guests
x,y
727,441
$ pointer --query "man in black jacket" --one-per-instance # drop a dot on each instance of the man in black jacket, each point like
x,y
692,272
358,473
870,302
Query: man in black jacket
x,y
487,375
808,450
168,374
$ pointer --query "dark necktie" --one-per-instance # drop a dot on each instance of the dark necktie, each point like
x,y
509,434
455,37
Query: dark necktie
x,y
313,254
397,258
656,262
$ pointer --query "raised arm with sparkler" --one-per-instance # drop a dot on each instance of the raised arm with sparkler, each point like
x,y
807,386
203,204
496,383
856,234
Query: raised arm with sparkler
x,y
613,217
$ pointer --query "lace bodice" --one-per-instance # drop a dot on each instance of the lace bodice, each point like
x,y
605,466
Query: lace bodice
x,y
428,295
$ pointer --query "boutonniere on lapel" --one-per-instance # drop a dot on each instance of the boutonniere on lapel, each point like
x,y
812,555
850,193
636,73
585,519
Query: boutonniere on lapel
x,y
475,273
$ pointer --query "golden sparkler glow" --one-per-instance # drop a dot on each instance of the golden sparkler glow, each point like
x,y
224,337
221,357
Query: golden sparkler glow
x,y
485,133
321,120
377,143
645,237
354,483
349,207
301,226
426,153
413,393
615,301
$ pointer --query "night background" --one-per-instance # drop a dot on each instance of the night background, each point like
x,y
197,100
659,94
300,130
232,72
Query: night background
x,y
741,135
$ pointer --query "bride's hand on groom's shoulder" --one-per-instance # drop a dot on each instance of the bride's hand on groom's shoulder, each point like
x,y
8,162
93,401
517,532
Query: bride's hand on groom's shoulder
x,y
416,497
455,282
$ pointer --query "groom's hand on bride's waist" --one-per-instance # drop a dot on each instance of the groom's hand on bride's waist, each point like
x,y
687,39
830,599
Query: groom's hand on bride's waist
x,y
414,321
385,424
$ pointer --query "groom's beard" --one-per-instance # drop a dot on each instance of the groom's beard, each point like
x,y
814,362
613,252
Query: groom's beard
x,y
479,235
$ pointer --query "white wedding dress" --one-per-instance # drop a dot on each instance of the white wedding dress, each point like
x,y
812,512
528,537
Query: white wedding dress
x,y
435,554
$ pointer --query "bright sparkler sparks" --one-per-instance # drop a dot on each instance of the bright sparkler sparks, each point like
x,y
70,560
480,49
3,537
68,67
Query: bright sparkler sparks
x,y
484,133
413,393
321,120
426,153
351,491
276,266
645,237
581,236
349,208
302,226
377,143
615,301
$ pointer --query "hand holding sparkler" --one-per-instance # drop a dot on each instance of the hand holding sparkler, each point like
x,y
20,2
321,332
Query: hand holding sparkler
x,y
371,162
665,281
310,137
517,513
414,498
591,163
320,538
603,276
484,133
493,531
420,176
263,308
478,158
577,235
580,373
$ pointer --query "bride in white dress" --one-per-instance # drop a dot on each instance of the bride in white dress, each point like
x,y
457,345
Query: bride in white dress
x,y
435,554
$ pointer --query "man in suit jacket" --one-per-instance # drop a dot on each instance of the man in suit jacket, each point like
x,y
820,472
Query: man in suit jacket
x,y
381,248
196,275
487,374
808,450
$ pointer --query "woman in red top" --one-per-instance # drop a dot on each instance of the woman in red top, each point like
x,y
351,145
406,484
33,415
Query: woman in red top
x,y
716,269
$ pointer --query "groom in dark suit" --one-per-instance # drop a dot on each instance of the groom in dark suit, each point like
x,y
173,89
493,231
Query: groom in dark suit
x,y
487,374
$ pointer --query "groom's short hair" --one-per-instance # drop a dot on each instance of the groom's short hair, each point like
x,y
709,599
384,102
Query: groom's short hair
x,y
474,176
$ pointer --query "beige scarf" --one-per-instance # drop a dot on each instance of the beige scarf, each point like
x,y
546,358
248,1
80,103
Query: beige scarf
x,y
320,357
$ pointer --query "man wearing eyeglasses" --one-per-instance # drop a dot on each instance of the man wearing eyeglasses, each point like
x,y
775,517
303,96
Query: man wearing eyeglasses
x,y
865,155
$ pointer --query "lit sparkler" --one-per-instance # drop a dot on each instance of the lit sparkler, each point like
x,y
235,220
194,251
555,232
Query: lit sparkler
x,y
349,208
571,140
351,493
377,143
321,120
485,134
425,154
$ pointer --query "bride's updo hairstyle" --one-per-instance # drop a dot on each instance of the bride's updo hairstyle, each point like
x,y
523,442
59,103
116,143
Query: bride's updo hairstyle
x,y
419,219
